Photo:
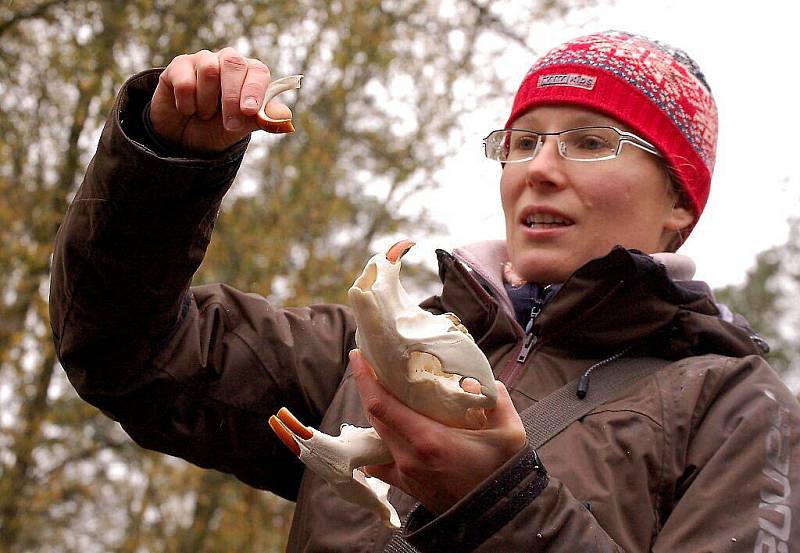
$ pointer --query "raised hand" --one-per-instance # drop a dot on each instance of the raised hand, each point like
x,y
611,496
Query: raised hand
x,y
208,101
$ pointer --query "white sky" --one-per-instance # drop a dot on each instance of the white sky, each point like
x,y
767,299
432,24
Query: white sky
x,y
747,52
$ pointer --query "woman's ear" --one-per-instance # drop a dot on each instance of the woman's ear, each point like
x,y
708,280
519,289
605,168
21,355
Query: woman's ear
x,y
679,218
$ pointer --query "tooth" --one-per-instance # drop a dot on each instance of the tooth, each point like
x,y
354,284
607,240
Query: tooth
x,y
545,219
276,87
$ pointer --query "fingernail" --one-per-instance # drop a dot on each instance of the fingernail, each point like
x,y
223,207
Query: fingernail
x,y
353,355
234,123
251,102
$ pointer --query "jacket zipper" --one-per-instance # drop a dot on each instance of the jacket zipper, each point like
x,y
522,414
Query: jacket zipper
x,y
530,335
530,339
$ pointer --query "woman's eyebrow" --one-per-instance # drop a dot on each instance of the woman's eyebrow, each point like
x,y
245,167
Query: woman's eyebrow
x,y
571,123
593,121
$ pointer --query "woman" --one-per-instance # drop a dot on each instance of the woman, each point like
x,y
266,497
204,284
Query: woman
x,y
608,153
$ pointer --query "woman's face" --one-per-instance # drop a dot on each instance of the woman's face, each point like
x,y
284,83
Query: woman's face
x,y
561,213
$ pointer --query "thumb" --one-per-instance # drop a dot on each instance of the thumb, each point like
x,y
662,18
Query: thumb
x,y
279,118
278,110
504,412
506,420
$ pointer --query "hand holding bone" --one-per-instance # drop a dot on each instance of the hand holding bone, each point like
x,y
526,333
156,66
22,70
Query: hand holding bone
x,y
208,101
421,359
433,462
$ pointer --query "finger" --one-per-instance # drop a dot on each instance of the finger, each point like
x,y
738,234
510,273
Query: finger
x,y
392,437
361,364
278,110
208,84
417,454
281,115
471,385
233,71
181,78
505,418
254,87
504,409
475,418
381,406
388,473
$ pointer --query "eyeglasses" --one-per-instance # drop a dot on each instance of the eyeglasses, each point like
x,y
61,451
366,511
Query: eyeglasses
x,y
580,144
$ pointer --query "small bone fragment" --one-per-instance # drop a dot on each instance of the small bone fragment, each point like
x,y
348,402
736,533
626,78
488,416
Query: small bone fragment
x,y
275,88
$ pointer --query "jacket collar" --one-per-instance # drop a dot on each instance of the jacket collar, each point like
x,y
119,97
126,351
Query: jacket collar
x,y
593,312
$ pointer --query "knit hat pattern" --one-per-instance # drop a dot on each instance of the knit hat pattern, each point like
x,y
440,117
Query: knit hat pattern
x,y
656,90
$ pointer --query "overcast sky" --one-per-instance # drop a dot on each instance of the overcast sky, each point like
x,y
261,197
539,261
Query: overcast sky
x,y
751,66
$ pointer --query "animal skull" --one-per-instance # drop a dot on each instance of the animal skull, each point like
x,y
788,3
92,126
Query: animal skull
x,y
421,358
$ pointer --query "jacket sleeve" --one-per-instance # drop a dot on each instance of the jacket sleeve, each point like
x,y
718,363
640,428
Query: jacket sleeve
x,y
193,372
737,478
518,508
731,478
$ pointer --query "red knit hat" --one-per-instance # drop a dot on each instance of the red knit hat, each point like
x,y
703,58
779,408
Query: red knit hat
x,y
656,90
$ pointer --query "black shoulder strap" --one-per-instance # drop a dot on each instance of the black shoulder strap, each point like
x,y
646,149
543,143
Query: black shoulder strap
x,y
547,418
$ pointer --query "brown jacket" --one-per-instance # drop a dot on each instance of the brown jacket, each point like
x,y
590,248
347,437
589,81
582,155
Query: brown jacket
x,y
702,456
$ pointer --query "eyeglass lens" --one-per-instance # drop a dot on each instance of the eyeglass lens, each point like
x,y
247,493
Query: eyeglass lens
x,y
579,144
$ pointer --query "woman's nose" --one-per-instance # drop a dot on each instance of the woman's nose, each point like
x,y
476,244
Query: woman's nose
x,y
546,166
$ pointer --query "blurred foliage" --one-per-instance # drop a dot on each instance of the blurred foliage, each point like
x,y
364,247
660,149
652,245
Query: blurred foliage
x,y
375,118
768,300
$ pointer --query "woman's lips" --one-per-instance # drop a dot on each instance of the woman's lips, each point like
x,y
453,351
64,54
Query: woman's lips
x,y
542,218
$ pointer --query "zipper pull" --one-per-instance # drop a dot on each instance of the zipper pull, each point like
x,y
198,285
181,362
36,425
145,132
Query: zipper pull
x,y
530,337
527,346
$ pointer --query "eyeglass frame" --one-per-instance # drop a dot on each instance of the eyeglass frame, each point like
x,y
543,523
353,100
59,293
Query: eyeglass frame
x,y
624,137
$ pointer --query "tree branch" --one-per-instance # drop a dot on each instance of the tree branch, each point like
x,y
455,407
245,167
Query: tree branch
x,y
32,12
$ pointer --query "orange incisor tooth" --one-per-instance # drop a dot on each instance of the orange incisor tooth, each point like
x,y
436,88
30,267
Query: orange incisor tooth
x,y
279,126
398,250
293,424
284,435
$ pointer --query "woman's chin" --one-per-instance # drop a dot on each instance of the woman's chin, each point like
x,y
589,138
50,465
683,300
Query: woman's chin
x,y
543,273
546,267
